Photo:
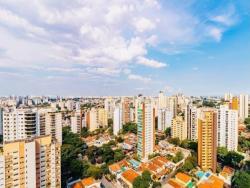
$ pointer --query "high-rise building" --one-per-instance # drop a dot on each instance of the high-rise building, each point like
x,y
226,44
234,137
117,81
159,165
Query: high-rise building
x,y
235,103
30,162
19,124
50,123
227,128
125,110
179,128
109,106
165,117
207,140
162,100
243,106
1,121
145,129
102,118
76,122
192,122
117,123
91,120
228,97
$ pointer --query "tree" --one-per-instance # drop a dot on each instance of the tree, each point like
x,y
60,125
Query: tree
x,y
119,155
175,141
230,158
143,181
129,128
184,143
84,132
110,122
119,139
156,185
178,157
95,172
168,132
188,165
233,159
241,179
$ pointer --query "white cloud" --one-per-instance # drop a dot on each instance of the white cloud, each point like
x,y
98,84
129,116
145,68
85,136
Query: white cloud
x,y
215,33
143,24
139,78
99,38
150,62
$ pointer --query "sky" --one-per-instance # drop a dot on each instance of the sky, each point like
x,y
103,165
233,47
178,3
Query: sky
x,y
124,47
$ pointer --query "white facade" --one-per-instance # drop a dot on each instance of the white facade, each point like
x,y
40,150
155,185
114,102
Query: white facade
x,y
19,124
117,123
243,106
227,131
165,117
192,122
2,170
109,106
75,123
162,100
145,129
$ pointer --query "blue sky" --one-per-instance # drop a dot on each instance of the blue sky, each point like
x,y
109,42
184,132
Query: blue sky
x,y
124,47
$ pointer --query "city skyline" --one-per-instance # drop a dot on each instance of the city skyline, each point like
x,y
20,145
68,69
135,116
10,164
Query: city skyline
x,y
63,48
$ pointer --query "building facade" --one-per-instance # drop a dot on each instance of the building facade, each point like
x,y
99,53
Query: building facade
x,y
31,163
227,128
145,129
207,140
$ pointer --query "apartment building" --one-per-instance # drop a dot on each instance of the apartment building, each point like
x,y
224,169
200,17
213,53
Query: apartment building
x,y
145,129
33,162
179,128
227,128
19,124
207,140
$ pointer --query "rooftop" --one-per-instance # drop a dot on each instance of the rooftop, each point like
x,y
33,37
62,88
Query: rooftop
x,y
130,175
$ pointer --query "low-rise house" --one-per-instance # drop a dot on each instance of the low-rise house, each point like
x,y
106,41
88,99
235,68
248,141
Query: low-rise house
x,y
119,167
226,174
127,145
211,181
127,178
158,166
181,180
86,183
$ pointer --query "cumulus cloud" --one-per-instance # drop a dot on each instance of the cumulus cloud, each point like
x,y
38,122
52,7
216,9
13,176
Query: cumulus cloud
x,y
150,62
138,78
96,37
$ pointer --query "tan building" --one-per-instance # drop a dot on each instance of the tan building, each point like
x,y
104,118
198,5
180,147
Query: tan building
x,y
235,103
207,140
102,118
31,163
50,123
91,120
179,128
125,110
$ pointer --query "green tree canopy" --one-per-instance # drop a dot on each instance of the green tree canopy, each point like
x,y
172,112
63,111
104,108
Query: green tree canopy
x,y
178,157
241,179
129,128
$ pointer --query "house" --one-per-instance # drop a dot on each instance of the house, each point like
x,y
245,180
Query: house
x,y
226,174
212,181
86,183
127,178
118,167
159,167
181,180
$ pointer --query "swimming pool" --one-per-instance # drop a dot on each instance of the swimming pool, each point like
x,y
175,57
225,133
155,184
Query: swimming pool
x,y
200,174
134,163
